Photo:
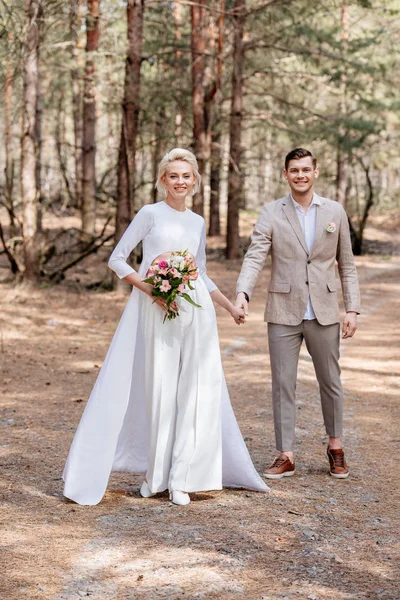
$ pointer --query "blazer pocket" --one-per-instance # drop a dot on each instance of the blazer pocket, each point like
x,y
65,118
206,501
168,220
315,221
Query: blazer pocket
x,y
279,288
332,287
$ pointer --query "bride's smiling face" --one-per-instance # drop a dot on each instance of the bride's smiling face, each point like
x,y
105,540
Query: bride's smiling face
x,y
179,180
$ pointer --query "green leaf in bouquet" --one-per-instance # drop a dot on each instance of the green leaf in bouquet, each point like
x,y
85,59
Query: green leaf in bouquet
x,y
190,286
188,299
148,280
175,282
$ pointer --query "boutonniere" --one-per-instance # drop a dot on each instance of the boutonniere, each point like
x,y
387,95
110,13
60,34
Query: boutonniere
x,y
331,228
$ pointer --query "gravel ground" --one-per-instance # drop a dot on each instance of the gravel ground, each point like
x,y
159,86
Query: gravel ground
x,y
311,538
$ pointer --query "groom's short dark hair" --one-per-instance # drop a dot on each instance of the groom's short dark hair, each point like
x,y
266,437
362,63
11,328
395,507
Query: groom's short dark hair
x,y
298,153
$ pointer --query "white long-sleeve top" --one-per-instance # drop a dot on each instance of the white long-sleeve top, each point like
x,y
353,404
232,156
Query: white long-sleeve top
x,y
161,228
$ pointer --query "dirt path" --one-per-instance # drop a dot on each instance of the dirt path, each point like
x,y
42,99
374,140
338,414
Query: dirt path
x,y
311,538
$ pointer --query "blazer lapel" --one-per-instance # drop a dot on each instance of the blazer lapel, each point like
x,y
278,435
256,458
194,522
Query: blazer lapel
x,y
320,225
290,213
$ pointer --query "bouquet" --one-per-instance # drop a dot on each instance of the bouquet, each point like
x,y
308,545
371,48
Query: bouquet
x,y
170,278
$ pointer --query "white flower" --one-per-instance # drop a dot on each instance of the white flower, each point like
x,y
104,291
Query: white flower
x,y
331,228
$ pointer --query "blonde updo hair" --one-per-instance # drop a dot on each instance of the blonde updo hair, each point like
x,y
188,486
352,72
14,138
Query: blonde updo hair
x,y
178,154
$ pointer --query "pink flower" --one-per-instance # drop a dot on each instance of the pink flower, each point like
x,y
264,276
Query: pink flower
x,y
165,286
163,264
174,272
181,288
193,275
163,272
331,227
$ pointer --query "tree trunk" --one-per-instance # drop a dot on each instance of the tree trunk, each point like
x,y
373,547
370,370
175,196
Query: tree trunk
x,y
38,136
358,236
130,119
177,14
215,223
235,176
89,121
158,132
342,156
9,163
198,48
29,189
76,10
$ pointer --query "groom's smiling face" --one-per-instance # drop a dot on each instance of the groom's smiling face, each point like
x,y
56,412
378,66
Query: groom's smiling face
x,y
300,174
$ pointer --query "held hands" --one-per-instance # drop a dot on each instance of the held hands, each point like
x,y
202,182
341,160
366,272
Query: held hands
x,y
349,325
238,315
242,304
241,309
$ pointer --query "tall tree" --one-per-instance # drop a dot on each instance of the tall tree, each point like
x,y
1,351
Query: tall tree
x,y
130,117
9,162
215,155
235,176
342,156
89,120
38,127
177,13
29,148
198,48
75,23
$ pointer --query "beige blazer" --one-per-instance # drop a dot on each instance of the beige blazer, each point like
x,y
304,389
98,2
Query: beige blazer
x,y
296,273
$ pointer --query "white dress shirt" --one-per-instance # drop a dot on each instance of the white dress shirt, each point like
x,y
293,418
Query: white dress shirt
x,y
308,221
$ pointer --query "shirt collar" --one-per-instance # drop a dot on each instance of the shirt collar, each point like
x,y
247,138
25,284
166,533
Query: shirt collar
x,y
315,200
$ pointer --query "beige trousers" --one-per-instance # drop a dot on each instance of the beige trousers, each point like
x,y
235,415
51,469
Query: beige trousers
x,y
322,343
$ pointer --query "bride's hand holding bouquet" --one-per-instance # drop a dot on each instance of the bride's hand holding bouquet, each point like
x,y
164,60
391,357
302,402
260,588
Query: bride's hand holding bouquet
x,y
169,280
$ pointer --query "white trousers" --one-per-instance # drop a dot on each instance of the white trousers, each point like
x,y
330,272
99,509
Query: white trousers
x,y
183,383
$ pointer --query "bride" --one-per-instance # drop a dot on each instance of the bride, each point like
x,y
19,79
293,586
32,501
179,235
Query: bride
x,y
160,405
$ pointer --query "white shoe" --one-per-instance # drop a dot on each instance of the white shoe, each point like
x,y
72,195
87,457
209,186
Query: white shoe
x,y
181,498
145,491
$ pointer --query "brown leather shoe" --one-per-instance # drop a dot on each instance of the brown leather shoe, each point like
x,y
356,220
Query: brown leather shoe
x,y
281,467
337,462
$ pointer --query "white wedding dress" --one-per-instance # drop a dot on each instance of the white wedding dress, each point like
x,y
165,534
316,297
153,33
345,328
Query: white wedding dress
x,y
134,385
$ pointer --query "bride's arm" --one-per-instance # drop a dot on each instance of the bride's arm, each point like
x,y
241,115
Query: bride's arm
x,y
215,293
237,313
135,233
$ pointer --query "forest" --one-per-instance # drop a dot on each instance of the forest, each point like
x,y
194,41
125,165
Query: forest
x,y
94,93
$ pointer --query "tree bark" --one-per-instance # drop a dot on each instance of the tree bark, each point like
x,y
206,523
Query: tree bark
x,y
130,118
76,11
198,48
235,175
29,189
89,121
130,121
215,155
342,172
38,136
177,14
158,132
215,221
9,162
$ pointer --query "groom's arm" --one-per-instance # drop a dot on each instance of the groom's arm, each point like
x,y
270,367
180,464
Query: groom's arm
x,y
255,257
348,278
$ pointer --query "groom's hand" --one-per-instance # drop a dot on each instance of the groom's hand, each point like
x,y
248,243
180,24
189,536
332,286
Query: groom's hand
x,y
349,325
241,303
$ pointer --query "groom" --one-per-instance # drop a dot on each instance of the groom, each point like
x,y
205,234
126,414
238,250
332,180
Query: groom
x,y
306,234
